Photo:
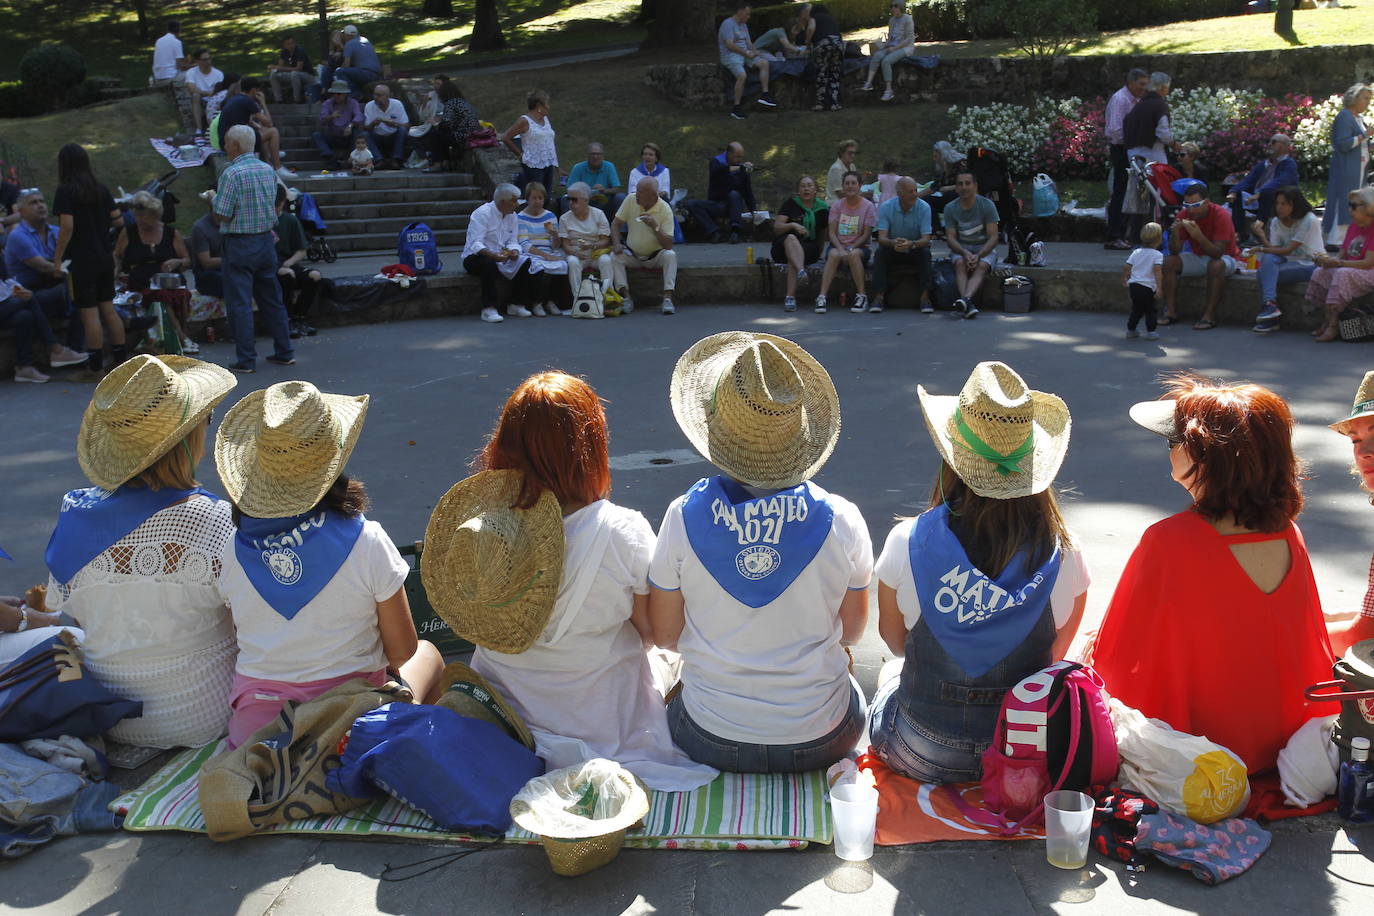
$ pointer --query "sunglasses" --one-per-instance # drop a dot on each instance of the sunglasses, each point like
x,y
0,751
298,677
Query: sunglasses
x,y
576,199
1354,203
1194,204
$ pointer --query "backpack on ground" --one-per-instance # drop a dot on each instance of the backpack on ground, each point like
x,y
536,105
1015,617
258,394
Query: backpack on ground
x,y
589,301
943,288
1054,732
417,249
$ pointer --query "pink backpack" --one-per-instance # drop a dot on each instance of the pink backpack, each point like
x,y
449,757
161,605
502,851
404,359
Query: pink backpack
x,y
1054,732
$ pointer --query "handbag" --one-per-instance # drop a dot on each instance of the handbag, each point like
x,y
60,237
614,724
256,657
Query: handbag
x,y
589,301
482,137
1355,677
1355,325
1044,196
45,693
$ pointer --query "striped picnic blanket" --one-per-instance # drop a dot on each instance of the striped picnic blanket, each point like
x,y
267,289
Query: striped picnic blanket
x,y
736,811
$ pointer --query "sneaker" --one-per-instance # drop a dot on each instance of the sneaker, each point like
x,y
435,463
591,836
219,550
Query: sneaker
x,y
1265,327
803,276
538,311
492,315
1132,335
1270,312
820,304
887,96
867,88
67,357
961,305
970,310
766,100
667,307
243,368
734,237
296,333
627,305
860,304
926,307
1152,335
566,313
29,374
875,307
189,347
276,360
738,114
284,172
789,304
517,311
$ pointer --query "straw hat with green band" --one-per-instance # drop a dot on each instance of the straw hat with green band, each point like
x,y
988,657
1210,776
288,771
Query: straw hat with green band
x,y
469,694
141,409
1002,439
1363,407
492,571
281,448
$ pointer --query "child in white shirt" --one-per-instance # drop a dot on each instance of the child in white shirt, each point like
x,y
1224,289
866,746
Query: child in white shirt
x,y
1142,277
361,157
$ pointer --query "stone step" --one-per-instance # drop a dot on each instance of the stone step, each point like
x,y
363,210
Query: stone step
x,y
394,224
362,209
379,241
406,179
407,197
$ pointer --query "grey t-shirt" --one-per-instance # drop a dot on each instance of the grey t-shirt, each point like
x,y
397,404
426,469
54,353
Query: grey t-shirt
x,y
733,30
971,224
362,55
205,237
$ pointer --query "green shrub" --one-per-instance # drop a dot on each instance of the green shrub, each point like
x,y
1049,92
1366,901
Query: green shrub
x,y
940,20
850,14
50,71
1040,28
14,101
87,92
1115,16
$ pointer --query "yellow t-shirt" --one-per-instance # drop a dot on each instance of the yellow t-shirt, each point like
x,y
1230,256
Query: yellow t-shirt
x,y
642,240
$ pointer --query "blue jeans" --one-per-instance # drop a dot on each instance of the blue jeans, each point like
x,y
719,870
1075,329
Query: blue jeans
x,y
901,743
27,318
739,757
706,212
1275,269
356,77
58,306
398,145
337,146
250,272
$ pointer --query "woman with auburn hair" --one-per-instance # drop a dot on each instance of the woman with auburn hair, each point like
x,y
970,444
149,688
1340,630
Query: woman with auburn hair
x,y
585,687
1230,572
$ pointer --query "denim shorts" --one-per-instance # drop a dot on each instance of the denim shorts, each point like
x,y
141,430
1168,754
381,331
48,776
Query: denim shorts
x,y
916,751
739,757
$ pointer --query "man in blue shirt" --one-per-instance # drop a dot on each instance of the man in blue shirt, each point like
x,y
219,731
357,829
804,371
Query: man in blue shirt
x,y
903,243
729,190
29,260
601,177
244,107
361,64
1255,192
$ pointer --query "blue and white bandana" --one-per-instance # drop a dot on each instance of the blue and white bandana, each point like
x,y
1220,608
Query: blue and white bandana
x,y
289,560
977,620
755,547
92,520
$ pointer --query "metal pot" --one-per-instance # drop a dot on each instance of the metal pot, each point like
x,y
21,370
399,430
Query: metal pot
x,y
168,281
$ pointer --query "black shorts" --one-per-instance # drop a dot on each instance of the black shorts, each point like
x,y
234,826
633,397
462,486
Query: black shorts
x,y
91,284
811,250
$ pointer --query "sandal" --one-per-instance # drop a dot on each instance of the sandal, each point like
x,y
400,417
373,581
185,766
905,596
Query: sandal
x,y
1204,324
1166,320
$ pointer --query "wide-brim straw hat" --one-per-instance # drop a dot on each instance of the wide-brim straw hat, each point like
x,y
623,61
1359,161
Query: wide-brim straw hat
x,y
492,571
757,406
145,406
1363,406
470,695
339,86
1003,439
281,448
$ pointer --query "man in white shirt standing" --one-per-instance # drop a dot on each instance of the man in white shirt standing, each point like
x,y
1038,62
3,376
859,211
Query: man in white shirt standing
x,y
385,120
168,57
493,251
201,80
1118,106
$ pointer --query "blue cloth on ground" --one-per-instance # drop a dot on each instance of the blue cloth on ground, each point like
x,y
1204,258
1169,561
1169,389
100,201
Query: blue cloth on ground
x,y
39,801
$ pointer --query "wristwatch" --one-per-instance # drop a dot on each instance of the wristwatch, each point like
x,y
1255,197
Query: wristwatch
x,y
23,619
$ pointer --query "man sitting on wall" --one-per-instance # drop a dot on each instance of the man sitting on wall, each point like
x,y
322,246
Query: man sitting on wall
x,y
1254,194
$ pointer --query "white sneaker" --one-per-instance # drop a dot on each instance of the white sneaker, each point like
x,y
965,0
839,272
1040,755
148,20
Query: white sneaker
x,y
29,374
566,313
926,307
627,305
970,310
820,304
789,304
1152,335
189,347
67,357
518,311
860,304
887,96
539,312
492,315
667,307
284,172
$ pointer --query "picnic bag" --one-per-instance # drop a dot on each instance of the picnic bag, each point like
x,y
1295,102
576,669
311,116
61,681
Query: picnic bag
x,y
278,775
483,137
1355,325
589,301
1355,677
1054,732
943,289
417,249
45,693
1044,196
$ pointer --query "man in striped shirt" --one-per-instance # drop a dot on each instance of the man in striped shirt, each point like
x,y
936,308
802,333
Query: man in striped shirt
x,y
1359,427
246,209
1118,106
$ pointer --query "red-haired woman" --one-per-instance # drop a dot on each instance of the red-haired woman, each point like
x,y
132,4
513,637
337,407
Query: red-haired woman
x,y
585,687
1215,626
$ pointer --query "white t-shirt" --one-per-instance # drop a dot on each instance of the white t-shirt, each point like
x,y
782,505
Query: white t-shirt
x,y
1143,262
775,674
360,157
166,52
585,687
336,634
584,232
664,179
894,570
205,82
373,112
1307,231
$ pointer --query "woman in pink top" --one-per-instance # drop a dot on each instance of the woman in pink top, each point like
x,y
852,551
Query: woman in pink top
x,y
1338,281
852,219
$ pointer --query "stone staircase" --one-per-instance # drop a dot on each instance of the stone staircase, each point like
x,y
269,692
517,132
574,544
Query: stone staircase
x,y
365,214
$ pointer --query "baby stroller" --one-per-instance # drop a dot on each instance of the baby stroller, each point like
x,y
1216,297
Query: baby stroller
x,y
989,168
1150,192
308,212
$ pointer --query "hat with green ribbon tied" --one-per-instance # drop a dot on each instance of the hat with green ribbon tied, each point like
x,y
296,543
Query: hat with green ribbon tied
x,y
1363,406
1002,439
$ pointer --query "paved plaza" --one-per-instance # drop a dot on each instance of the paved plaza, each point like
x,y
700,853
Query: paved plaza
x,y
437,387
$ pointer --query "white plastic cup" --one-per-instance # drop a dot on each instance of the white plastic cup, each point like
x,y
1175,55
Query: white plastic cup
x,y
1068,826
855,810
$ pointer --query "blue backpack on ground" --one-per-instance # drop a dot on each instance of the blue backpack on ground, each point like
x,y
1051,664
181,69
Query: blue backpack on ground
x,y
417,249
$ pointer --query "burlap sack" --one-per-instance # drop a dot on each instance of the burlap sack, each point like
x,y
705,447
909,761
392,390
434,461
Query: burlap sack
x,y
278,774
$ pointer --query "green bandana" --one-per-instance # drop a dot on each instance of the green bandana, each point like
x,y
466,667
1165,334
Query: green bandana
x,y
809,213
1006,464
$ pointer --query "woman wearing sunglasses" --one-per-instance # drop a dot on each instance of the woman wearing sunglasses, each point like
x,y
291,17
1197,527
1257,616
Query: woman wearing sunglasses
x,y
1340,280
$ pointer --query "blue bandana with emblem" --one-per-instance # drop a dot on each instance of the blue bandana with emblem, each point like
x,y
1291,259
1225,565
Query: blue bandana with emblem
x,y
977,620
92,520
755,546
289,560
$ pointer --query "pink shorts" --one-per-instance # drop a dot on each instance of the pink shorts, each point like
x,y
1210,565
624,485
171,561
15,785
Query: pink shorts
x,y
254,702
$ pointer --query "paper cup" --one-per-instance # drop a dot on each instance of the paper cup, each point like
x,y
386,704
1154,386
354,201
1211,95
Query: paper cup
x,y
1068,824
854,808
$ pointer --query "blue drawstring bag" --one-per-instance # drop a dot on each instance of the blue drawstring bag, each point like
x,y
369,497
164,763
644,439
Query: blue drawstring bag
x,y
461,772
45,693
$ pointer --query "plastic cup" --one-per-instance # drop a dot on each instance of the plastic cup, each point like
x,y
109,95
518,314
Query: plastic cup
x,y
1068,824
855,810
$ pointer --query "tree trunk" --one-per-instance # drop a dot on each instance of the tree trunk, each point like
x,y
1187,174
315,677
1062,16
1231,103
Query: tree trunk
x,y
1283,19
437,9
648,9
682,22
322,13
141,7
486,28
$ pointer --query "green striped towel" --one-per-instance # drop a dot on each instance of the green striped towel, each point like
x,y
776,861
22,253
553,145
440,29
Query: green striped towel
x,y
736,811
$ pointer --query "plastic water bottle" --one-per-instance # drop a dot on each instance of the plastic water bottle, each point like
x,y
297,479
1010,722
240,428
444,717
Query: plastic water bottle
x,y
1355,787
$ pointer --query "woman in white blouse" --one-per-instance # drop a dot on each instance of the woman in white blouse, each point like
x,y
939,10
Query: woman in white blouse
x,y
1286,250
651,166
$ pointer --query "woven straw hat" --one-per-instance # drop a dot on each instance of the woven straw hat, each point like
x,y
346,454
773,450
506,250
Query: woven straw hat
x,y
757,406
1002,439
1363,406
492,571
469,694
281,448
141,409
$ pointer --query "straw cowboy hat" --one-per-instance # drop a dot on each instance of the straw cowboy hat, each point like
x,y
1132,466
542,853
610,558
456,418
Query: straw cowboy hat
x,y
281,448
1363,406
757,406
490,570
470,695
1002,439
141,409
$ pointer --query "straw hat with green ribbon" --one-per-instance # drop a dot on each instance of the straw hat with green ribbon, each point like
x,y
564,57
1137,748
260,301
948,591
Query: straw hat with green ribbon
x,y
492,571
467,693
1363,407
141,409
1002,439
281,448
